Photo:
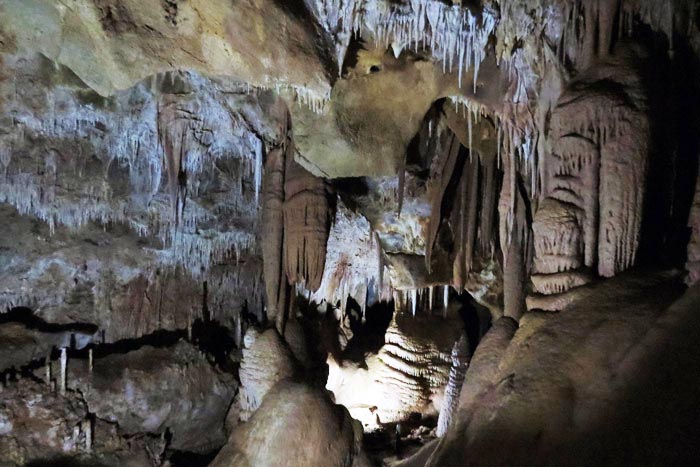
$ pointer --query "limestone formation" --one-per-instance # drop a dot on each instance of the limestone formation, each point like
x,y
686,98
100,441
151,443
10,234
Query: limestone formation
x,y
590,219
460,363
266,361
408,373
210,210
296,425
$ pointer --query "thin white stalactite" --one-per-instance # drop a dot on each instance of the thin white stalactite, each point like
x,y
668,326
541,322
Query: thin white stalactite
x,y
414,301
450,32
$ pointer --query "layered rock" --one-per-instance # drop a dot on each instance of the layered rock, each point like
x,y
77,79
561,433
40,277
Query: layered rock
x,y
25,344
408,374
266,361
111,45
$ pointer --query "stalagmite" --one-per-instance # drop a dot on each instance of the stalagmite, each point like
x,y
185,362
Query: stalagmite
x,y
450,404
64,362
90,362
445,296
87,429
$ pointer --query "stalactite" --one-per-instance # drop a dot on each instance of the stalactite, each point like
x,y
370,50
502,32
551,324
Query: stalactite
x,y
402,186
447,163
306,226
174,130
460,264
514,236
471,224
488,203
450,404
595,176
273,228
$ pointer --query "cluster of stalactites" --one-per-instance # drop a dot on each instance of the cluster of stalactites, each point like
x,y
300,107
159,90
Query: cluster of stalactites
x,y
354,264
451,33
414,300
479,152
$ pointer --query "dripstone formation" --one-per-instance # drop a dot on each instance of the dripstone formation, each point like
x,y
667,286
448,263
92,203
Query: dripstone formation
x,y
349,232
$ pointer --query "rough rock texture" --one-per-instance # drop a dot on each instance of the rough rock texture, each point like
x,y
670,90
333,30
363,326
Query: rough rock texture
x,y
358,134
111,44
266,361
295,425
38,426
568,382
595,178
693,264
28,412
408,374
154,390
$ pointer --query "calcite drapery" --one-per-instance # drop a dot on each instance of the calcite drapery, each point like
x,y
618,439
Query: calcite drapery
x,y
306,226
590,218
296,223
